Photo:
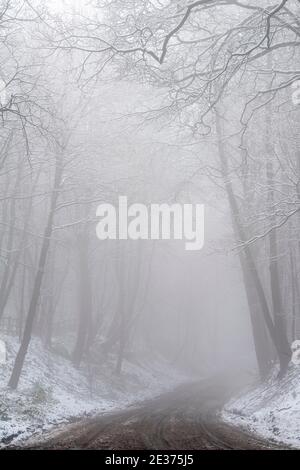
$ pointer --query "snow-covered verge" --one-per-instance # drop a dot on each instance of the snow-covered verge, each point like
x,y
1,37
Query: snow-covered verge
x,y
271,410
51,391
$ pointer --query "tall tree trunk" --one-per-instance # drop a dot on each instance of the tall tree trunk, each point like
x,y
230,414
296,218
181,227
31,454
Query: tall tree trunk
x,y
252,283
19,362
9,247
128,298
49,324
284,350
85,301
4,296
20,318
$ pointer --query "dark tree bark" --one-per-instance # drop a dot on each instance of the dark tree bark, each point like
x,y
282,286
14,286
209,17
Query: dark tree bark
x,y
284,349
252,283
19,362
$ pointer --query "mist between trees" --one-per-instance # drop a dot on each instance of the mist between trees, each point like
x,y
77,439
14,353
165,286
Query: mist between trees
x,y
164,102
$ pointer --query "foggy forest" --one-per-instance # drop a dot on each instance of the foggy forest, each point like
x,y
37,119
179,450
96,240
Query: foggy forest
x,y
156,338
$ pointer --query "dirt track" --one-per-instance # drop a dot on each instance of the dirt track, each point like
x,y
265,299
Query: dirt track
x,y
186,418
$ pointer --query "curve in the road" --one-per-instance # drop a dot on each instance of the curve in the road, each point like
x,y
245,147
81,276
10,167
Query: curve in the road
x,y
187,418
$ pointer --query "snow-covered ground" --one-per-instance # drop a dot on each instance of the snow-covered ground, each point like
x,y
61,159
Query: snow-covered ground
x,y
271,410
52,391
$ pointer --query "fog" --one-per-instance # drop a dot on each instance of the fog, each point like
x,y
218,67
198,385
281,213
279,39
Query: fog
x,y
161,103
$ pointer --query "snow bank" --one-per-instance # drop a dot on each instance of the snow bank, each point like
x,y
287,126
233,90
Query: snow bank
x,y
271,410
51,391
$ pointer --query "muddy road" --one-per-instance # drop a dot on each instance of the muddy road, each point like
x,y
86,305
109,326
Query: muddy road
x,y
186,418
